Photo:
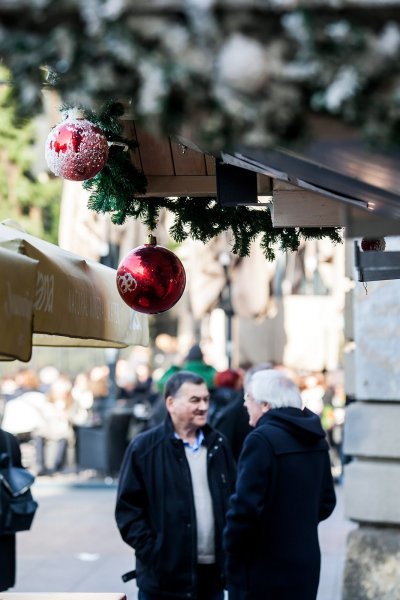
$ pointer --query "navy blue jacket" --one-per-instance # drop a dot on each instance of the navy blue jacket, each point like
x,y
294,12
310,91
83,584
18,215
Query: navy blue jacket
x,y
155,508
7,542
284,489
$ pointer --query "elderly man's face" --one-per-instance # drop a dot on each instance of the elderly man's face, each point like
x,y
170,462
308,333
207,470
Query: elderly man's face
x,y
189,407
254,409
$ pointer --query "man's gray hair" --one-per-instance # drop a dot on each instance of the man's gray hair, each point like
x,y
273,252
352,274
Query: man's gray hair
x,y
276,388
254,369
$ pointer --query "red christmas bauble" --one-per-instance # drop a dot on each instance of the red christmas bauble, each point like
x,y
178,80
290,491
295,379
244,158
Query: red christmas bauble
x,y
375,244
76,150
151,279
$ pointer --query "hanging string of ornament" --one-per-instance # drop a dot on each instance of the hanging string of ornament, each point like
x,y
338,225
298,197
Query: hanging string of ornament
x,y
91,149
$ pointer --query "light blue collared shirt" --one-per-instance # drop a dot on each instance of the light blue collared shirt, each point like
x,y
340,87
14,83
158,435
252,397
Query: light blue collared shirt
x,y
197,442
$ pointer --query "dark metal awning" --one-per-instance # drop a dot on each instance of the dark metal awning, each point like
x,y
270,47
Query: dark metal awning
x,y
324,178
329,197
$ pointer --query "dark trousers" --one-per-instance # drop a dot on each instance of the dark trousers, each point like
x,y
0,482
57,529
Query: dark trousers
x,y
236,594
208,585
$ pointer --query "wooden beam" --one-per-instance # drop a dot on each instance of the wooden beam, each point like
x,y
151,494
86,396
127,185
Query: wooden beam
x,y
181,185
264,185
191,185
295,207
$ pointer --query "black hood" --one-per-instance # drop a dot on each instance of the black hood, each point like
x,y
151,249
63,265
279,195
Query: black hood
x,y
302,424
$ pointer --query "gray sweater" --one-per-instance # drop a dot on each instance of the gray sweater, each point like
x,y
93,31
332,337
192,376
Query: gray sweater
x,y
203,505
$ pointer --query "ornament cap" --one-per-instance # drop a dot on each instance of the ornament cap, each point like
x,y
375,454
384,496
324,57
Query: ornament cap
x,y
75,113
151,240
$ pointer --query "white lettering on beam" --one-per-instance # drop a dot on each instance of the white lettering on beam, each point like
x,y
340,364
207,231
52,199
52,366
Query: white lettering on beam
x,y
96,307
44,292
78,303
114,313
83,303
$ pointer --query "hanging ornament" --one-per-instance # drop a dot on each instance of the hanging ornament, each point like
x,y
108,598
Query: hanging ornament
x,y
76,150
373,244
151,278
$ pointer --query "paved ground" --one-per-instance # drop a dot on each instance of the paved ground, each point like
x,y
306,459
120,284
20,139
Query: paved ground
x,y
74,545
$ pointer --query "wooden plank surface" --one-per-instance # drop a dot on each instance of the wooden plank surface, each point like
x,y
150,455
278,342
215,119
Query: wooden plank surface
x,y
305,209
264,185
210,164
155,154
129,131
181,185
187,161
174,169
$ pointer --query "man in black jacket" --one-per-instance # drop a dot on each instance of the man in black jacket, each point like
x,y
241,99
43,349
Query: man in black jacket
x,y
173,493
284,488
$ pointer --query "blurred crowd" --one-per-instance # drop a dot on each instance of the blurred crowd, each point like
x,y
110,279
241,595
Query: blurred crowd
x,y
47,409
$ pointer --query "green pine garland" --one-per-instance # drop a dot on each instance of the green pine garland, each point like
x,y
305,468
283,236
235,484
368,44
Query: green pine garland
x,y
116,188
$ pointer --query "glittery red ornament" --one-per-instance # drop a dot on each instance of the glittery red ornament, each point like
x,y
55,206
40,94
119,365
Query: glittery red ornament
x,y
151,278
76,150
375,244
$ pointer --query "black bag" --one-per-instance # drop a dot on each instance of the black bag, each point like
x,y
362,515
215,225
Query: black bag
x,y
17,506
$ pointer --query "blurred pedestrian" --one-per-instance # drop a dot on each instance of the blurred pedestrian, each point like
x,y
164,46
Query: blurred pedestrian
x,y
8,542
172,497
194,362
82,396
23,414
57,429
228,387
233,421
99,386
284,489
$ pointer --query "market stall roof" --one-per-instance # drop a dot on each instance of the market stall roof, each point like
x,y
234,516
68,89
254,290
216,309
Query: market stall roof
x,y
75,301
334,180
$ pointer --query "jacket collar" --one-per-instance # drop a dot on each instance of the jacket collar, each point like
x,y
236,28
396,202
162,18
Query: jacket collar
x,y
208,432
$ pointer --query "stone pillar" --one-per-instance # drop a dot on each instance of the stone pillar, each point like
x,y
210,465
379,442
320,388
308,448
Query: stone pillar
x,y
372,438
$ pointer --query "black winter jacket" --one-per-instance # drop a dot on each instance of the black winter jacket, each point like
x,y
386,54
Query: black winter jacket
x,y
155,508
284,488
7,542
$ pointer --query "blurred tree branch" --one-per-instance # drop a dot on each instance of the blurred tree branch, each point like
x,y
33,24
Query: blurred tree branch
x,y
220,73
